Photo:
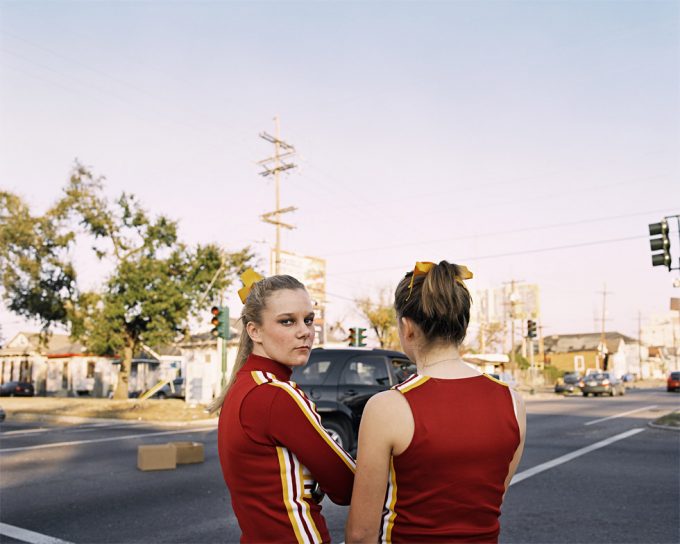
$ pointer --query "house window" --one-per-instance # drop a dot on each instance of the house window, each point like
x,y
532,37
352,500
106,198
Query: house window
x,y
91,365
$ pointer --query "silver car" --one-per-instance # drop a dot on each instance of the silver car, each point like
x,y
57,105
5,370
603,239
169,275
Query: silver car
x,y
602,383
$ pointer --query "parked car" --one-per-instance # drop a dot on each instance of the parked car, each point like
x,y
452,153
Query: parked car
x,y
673,383
340,381
569,383
629,377
176,391
16,389
600,383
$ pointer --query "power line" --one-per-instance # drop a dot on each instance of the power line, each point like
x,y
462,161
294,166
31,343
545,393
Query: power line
x,y
508,254
496,233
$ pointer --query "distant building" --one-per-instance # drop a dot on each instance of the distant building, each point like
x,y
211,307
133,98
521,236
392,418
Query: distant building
x,y
620,354
662,330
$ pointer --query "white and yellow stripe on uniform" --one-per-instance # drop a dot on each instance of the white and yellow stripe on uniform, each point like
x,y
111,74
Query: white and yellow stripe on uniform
x,y
308,409
411,383
293,478
389,512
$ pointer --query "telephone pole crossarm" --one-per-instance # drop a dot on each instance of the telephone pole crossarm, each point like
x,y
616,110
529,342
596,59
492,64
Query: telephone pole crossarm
x,y
273,140
281,168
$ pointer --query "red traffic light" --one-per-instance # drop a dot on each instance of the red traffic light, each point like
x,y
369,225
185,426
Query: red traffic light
x,y
214,310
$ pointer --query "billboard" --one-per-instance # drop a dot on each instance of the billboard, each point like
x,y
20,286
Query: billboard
x,y
311,271
498,305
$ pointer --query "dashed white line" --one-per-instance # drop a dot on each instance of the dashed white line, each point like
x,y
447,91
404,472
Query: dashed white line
x,y
569,456
28,536
620,415
108,439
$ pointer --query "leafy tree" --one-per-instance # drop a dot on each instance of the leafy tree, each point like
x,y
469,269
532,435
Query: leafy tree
x,y
38,277
156,281
381,317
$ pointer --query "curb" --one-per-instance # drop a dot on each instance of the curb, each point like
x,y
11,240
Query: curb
x,y
663,427
36,417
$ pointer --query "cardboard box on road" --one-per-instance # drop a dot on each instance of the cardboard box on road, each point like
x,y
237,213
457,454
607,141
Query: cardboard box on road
x,y
189,452
157,457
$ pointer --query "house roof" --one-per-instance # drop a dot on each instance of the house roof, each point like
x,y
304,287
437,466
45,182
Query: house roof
x,y
30,342
564,343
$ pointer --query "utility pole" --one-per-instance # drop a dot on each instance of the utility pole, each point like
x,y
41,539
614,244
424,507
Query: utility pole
x,y
274,166
640,342
603,352
512,301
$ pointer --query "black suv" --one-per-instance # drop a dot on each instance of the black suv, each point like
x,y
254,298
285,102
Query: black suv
x,y
341,380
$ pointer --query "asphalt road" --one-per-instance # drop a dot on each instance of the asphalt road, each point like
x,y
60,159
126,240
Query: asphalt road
x,y
620,481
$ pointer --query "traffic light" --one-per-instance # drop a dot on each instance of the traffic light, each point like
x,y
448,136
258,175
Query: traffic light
x,y
659,242
356,337
360,338
220,322
531,328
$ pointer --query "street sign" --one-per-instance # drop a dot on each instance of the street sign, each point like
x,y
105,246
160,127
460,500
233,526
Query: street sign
x,y
675,304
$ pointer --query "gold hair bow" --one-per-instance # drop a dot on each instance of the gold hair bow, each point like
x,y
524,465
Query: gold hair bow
x,y
423,267
249,278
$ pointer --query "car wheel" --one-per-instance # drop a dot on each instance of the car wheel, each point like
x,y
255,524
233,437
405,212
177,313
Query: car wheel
x,y
585,394
612,392
338,433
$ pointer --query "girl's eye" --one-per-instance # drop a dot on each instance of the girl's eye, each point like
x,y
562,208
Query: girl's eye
x,y
286,321
309,321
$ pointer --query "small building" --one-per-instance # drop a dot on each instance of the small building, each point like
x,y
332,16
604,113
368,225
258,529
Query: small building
x,y
56,367
584,352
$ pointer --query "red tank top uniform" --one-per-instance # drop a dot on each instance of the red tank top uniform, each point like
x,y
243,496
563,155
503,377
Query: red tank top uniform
x,y
273,450
448,485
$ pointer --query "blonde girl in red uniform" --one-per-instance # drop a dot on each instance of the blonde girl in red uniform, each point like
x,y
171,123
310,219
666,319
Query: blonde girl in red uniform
x,y
273,450
437,452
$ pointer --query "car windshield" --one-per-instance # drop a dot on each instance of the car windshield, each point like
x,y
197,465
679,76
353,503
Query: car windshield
x,y
675,375
598,377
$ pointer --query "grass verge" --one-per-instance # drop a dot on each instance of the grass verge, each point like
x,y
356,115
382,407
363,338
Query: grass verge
x,y
669,420
132,409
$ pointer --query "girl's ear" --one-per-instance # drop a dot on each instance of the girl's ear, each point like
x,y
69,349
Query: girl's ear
x,y
254,332
407,328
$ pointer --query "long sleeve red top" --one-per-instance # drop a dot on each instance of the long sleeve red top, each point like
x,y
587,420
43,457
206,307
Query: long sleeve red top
x,y
273,450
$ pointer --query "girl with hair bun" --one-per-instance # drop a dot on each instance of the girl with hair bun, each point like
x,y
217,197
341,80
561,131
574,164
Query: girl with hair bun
x,y
437,452
276,458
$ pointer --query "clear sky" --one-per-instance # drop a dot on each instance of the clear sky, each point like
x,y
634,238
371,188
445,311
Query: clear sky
x,y
486,133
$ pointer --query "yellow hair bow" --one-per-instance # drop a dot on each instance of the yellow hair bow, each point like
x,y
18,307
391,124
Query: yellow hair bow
x,y
423,267
249,278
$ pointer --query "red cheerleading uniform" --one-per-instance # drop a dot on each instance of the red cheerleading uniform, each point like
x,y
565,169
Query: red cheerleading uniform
x,y
448,485
273,450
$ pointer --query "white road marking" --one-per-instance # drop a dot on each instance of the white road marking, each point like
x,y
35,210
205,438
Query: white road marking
x,y
109,439
28,536
9,434
620,415
570,456
72,429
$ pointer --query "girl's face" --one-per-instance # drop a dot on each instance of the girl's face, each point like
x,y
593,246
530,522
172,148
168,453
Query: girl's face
x,y
286,333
